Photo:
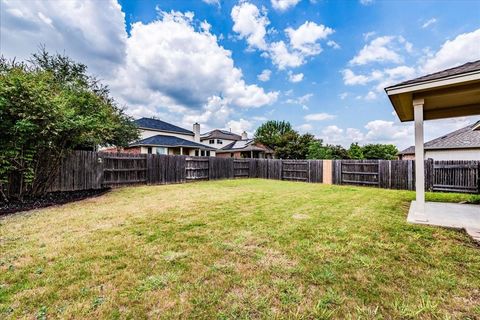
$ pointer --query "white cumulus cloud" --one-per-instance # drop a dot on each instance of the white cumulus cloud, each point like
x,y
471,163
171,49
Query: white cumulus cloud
x,y
305,38
463,48
97,39
292,77
282,5
264,75
319,116
251,24
382,49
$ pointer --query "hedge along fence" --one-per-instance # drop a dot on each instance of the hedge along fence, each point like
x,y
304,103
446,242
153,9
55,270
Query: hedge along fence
x,y
83,170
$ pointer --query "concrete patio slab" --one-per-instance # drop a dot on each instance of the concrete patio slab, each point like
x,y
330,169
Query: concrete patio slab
x,y
451,215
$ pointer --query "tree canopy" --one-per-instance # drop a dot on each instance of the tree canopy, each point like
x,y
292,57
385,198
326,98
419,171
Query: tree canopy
x,y
286,142
271,133
48,106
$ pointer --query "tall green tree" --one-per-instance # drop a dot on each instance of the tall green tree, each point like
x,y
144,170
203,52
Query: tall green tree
x,y
316,150
292,145
271,133
48,107
380,151
355,151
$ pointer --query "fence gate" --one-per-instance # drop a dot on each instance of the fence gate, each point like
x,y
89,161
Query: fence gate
x,y
197,169
241,168
456,176
362,172
121,169
295,170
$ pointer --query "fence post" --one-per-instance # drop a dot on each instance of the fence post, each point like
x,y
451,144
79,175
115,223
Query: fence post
x,y
327,171
429,174
411,177
478,177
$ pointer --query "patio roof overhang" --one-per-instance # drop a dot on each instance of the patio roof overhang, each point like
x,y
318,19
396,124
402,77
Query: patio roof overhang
x,y
454,96
449,93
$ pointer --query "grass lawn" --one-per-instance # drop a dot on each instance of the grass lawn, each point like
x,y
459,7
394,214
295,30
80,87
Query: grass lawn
x,y
236,249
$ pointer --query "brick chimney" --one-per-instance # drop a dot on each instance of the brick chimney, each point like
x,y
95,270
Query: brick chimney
x,y
244,135
196,132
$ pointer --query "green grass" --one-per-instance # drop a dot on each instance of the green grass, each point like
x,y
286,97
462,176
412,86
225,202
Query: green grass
x,y
237,249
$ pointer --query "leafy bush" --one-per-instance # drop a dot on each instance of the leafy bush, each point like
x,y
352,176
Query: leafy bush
x,y
48,107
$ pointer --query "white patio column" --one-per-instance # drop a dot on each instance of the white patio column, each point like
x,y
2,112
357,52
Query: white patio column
x,y
181,150
419,160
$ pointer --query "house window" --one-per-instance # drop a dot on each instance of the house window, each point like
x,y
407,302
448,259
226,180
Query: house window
x,y
208,153
161,150
211,141
196,153
202,153
149,150
219,141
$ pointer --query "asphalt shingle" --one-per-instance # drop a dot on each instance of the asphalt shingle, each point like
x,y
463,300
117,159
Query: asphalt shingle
x,y
156,124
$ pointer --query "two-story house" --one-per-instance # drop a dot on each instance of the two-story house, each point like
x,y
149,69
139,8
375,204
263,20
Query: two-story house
x,y
219,138
160,137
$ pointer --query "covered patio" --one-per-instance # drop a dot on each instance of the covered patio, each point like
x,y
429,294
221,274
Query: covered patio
x,y
449,93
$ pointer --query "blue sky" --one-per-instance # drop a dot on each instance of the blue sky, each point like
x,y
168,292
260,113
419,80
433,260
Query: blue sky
x,y
322,65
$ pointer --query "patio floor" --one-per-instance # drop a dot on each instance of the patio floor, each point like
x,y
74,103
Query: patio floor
x,y
451,215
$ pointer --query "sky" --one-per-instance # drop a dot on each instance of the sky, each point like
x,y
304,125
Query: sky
x,y
321,65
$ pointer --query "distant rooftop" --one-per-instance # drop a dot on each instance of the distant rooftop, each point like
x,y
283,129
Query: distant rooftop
x,y
244,145
169,141
464,138
220,134
156,124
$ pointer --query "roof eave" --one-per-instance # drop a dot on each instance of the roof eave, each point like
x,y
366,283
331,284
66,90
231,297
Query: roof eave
x,y
428,84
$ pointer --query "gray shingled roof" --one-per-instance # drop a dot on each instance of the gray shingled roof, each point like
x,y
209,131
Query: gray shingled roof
x,y
464,138
464,68
169,141
220,134
156,124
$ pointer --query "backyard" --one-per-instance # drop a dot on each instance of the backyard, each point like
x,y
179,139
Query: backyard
x,y
245,248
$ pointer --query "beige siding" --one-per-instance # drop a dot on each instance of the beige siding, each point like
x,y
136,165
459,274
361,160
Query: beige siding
x,y
457,154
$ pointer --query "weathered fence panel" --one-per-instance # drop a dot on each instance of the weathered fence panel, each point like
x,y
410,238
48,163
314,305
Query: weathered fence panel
x,y
360,172
274,169
197,169
295,170
79,170
220,168
457,176
124,169
315,171
241,168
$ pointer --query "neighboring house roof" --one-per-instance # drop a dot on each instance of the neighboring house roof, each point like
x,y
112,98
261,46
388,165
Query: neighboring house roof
x,y
220,134
244,145
169,141
409,150
464,138
464,68
159,125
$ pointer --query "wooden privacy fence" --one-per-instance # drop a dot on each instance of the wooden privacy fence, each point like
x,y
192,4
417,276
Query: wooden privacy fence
x,y
447,176
83,170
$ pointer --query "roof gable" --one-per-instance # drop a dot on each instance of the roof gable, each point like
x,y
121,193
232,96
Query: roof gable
x,y
159,125
220,134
